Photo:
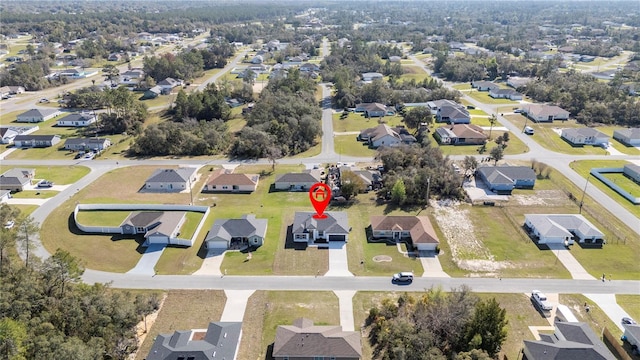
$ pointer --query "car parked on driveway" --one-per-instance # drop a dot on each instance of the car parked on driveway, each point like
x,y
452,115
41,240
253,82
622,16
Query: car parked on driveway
x,y
45,184
628,321
404,277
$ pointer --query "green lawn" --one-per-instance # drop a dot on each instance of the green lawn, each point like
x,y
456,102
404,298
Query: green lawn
x,y
311,152
547,137
412,72
60,175
483,97
358,122
102,217
583,167
267,310
515,146
26,210
625,183
191,223
348,145
477,112
161,100
630,150
631,304
34,194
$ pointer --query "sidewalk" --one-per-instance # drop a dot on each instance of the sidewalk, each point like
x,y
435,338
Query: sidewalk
x,y
345,301
564,255
338,265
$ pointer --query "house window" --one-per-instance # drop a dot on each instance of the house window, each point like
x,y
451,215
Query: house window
x,y
301,236
225,187
213,186
139,229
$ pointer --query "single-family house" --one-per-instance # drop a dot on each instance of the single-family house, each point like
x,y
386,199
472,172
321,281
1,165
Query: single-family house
x,y
258,69
453,115
584,136
258,59
460,134
72,73
307,229
302,181
417,229
133,74
370,76
237,233
153,92
158,227
371,178
5,195
35,141
306,341
16,179
545,113
632,171
87,144
309,67
37,115
7,135
373,110
171,180
482,85
223,180
628,137
169,83
435,105
4,91
518,82
114,57
570,341
562,228
77,120
505,94
15,89
384,135
218,341
503,179
632,334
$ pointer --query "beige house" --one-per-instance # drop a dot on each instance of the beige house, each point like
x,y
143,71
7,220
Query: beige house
x,y
320,342
417,229
223,180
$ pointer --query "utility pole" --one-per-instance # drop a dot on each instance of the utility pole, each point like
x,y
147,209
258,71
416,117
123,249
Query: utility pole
x,y
190,190
584,192
428,188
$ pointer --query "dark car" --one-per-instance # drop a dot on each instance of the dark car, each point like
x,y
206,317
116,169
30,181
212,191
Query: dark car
x,y
628,321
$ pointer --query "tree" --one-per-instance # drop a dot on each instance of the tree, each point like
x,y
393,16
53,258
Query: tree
x,y
59,270
12,336
487,328
497,153
416,116
111,72
492,120
398,192
7,236
351,184
27,231
470,164
273,153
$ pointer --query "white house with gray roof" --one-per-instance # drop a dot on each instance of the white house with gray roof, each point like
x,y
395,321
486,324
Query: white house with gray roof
x,y
237,233
562,228
37,115
219,340
301,181
306,228
171,180
584,136
570,341
158,227
77,120
503,179
16,179
629,137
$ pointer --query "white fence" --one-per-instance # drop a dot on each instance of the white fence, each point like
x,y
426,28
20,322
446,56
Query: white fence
x,y
140,207
597,172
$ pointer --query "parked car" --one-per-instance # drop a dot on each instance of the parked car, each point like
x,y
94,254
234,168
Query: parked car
x,y
45,184
625,320
528,130
44,100
540,300
405,276
9,224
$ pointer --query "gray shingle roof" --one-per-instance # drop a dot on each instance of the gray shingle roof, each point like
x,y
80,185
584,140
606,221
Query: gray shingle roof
x,y
571,341
303,339
220,342
171,175
78,117
561,224
38,112
583,132
247,226
85,141
631,133
506,174
303,177
336,222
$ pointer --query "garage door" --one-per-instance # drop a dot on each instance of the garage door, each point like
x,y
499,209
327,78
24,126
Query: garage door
x,y
216,244
336,237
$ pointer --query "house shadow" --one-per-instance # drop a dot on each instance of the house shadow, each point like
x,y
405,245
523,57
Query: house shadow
x,y
272,188
73,228
586,246
269,353
532,238
202,250
290,244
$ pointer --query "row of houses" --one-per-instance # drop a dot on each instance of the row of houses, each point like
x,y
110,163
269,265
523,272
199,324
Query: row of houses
x,y
72,144
384,135
495,91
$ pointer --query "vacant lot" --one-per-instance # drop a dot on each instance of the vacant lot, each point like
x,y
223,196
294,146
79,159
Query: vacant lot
x,y
358,122
60,175
583,167
204,306
348,145
268,309
413,72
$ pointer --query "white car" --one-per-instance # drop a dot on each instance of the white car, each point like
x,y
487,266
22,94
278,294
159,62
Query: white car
x,y
9,224
540,300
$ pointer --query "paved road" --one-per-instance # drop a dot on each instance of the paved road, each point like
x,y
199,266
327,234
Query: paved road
x,y
226,69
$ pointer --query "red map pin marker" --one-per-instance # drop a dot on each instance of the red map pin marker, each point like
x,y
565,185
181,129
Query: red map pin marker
x,y
320,195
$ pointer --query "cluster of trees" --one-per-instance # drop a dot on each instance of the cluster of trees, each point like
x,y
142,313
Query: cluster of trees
x,y
31,74
201,105
589,100
46,313
414,173
284,120
437,325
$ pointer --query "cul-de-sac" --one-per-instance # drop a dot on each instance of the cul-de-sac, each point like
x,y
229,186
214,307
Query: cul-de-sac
x,y
258,179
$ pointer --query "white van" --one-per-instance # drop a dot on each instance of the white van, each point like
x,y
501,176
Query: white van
x,y
528,130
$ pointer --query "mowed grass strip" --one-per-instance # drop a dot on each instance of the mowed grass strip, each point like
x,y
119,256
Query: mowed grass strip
x,y
348,145
102,217
34,194
266,310
60,175
583,167
184,310
630,304
483,97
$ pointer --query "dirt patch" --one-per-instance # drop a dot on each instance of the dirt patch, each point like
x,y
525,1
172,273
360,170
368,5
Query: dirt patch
x,y
467,251
542,198
382,258
143,326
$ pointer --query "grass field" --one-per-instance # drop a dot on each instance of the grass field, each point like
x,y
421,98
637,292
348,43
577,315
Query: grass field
x,y
102,218
26,210
550,139
37,194
267,310
631,304
358,122
583,167
515,146
60,175
412,72
348,145
204,306
483,97
625,183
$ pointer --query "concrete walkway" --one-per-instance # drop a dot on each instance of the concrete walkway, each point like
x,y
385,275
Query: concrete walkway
x,y
147,263
25,201
211,264
236,304
608,304
338,265
564,255
345,301
431,265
